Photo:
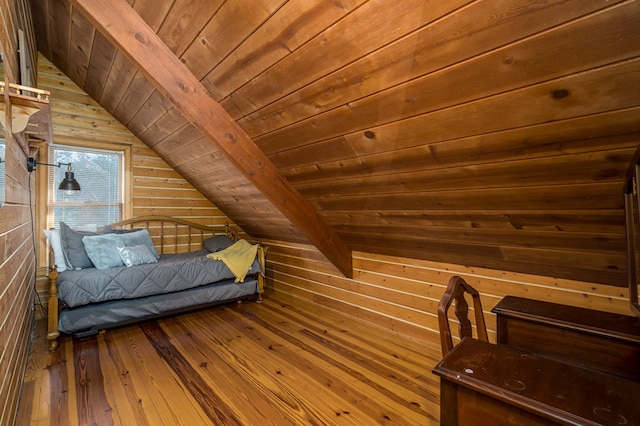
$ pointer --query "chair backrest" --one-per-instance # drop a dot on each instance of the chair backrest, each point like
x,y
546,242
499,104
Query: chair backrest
x,y
455,291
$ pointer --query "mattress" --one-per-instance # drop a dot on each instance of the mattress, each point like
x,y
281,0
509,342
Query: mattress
x,y
89,319
172,273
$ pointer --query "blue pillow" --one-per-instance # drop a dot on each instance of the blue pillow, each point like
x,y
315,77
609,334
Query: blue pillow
x,y
103,250
139,238
136,255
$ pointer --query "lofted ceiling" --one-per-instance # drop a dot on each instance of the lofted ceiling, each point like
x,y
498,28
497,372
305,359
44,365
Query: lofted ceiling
x,y
484,133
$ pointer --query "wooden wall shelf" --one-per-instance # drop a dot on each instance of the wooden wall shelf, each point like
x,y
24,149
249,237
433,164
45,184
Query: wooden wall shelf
x,y
31,112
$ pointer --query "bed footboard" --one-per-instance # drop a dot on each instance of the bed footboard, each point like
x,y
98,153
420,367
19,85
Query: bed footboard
x,y
262,253
52,310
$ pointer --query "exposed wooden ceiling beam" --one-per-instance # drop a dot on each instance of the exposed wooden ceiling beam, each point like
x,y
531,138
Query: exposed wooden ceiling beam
x,y
120,24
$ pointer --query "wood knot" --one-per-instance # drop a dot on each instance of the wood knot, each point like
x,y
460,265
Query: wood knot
x,y
559,94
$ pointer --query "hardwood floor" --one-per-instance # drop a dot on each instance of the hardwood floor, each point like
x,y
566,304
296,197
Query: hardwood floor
x,y
273,363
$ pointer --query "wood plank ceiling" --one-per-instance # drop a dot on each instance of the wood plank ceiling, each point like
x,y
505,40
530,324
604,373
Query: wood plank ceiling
x,y
484,133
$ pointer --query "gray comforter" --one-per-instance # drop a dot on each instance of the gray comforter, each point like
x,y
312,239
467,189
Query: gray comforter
x,y
173,272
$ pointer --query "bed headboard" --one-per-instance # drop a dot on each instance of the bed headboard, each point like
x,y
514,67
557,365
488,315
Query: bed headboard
x,y
169,234
173,235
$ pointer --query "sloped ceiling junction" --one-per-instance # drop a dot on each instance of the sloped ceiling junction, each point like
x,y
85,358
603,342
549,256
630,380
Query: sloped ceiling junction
x,y
485,133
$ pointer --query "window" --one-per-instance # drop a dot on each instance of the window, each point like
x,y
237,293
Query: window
x,y
100,175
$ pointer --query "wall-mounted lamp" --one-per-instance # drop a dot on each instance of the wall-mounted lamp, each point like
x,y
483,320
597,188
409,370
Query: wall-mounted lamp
x,y
69,184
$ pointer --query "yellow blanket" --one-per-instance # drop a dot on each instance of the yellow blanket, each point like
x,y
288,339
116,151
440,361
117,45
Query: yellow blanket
x,y
238,258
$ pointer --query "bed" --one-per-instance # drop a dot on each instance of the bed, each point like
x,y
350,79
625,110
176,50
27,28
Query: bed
x,y
144,268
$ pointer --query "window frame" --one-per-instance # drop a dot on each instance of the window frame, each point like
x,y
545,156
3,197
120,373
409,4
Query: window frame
x,y
43,186
58,202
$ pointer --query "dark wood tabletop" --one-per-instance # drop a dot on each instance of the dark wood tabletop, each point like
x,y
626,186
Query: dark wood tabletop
x,y
560,392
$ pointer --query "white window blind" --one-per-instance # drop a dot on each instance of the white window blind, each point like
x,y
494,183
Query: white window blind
x,y
100,175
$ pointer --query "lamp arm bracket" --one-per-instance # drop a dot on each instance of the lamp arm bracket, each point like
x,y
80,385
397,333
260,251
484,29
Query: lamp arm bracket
x,y
32,163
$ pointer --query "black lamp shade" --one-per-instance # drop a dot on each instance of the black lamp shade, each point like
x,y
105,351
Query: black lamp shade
x,y
69,183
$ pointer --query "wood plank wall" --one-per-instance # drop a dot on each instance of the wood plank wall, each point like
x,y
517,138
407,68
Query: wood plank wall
x,y
17,264
402,294
155,187
393,292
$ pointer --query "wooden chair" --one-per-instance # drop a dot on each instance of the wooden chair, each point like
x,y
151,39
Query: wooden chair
x,y
456,290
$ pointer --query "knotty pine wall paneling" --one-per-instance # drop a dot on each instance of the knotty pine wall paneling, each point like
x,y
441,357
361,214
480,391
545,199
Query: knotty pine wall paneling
x,y
394,292
17,262
156,188
402,294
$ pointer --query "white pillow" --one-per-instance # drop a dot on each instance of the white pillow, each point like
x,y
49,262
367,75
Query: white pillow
x,y
53,236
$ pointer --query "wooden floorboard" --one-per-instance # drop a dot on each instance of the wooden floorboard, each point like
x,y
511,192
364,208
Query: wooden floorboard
x,y
279,362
